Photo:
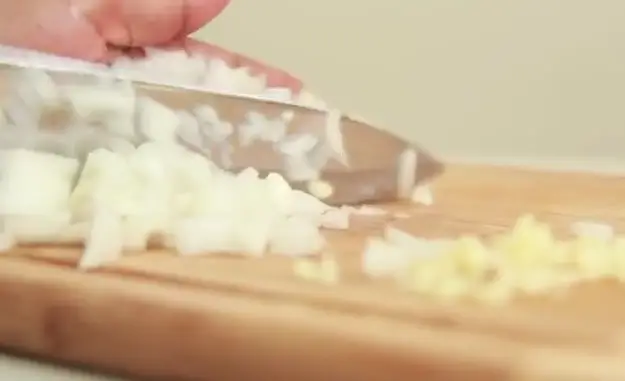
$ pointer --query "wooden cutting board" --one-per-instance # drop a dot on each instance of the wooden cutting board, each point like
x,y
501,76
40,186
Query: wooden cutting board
x,y
212,318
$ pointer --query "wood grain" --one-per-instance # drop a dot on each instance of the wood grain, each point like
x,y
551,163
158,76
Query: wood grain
x,y
218,318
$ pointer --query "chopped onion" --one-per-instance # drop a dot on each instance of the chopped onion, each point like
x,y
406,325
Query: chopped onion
x,y
126,195
119,145
7,242
75,233
254,230
299,168
296,236
106,181
334,136
220,77
91,102
279,193
219,132
307,99
34,183
280,94
381,258
138,229
422,194
248,175
406,175
258,127
287,116
189,128
205,235
336,218
320,189
324,271
156,121
592,229
37,229
38,85
297,145
105,241
419,246
274,130
305,204
206,115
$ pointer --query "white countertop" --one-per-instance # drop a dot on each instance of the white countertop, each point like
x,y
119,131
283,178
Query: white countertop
x,y
16,368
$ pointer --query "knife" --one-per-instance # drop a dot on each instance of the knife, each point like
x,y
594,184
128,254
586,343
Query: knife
x,y
355,161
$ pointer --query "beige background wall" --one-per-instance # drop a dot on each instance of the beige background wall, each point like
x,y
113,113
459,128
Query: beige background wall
x,y
477,78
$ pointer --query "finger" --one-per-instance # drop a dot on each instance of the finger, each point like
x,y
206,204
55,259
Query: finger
x,y
53,28
147,22
275,77
105,18
133,22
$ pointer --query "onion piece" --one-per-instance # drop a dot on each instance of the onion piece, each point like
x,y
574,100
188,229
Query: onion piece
x,y
335,218
381,258
254,230
34,183
206,115
91,102
37,85
420,247
176,66
297,145
422,194
75,233
590,229
205,235
7,242
406,174
279,193
303,203
104,243
287,116
258,127
324,271
320,189
138,229
299,168
189,129
120,145
308,99
156,121
279,94
220,77
38,229
334,136
106,181
296,236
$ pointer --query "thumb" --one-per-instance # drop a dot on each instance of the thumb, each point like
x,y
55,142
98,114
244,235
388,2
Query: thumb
x,y
140,23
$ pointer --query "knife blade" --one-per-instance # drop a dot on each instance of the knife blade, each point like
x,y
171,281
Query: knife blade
x,y
359,162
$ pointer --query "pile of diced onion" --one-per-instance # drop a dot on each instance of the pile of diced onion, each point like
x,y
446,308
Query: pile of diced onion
x,y
125,197
127,172
526,260
197,71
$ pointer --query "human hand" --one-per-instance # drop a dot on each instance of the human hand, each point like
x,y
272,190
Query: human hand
x,y
102,30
